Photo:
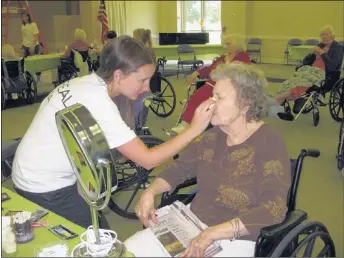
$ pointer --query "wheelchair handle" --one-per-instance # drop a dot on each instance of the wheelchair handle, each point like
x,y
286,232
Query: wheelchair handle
x,y
311,153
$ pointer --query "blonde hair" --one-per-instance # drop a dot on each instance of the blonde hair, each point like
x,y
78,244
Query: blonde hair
x,y
80,34
238,39
328,28
144,36
8,51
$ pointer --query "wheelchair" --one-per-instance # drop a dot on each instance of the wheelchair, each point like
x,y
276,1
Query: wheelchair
x,y
133,179
16,83
336,101
340,148
67,69
164,99
309,101
288,238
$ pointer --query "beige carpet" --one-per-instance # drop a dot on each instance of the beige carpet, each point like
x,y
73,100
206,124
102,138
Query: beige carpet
x,y
321,186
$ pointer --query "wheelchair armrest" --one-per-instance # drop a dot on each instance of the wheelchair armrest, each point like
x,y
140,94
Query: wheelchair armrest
x,y
187,183
292,219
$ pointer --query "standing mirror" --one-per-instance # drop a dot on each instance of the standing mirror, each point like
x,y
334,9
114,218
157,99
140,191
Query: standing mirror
x,y
92,160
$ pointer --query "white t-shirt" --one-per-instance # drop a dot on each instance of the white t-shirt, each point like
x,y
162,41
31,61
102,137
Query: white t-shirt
x,y
41,163
28,30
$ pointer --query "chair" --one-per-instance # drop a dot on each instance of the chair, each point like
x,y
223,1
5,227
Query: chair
x,y
291,42
77,64
340,148
80,62
8,150
310,100
311,42
283,239
254,46
187,50
163,101
336,101
16,83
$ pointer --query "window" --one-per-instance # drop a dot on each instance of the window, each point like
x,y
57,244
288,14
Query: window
x,y
202,16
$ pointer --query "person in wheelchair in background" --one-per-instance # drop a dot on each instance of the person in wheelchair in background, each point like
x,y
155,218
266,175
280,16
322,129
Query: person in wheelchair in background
x,y
8,53
145,37
81,46
323,64
242,169
41,170
235,47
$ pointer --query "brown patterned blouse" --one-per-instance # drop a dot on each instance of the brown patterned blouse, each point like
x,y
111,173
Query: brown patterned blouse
x,y
249,181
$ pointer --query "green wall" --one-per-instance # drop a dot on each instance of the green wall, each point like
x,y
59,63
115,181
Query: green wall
x,y
273,21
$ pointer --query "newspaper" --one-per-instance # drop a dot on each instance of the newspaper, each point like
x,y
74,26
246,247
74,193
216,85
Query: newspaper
x,y
177,227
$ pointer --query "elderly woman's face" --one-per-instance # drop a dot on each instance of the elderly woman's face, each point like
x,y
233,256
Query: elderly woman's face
x,y
230,46
226,107
326,37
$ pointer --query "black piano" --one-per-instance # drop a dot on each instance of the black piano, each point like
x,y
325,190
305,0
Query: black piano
x,y
183,38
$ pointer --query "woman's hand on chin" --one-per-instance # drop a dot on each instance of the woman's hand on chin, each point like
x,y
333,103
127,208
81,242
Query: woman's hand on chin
x,y
199,245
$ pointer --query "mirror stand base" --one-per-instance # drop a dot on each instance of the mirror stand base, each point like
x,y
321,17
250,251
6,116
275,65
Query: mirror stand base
x,y
117,250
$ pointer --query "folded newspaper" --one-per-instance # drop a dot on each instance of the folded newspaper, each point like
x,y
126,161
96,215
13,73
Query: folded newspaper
x,y
177,227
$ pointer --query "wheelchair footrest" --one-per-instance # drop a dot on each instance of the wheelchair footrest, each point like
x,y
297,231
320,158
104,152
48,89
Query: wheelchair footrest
x,y
292,219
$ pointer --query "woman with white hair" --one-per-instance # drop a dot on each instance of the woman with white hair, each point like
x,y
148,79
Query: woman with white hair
x,y
235,46
79,44
8,53
324,62
242,169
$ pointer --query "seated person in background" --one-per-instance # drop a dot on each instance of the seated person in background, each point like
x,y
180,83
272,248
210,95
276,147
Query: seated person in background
x,y
235,47
111,35
8,54
323,61
242,169
79,44
145,37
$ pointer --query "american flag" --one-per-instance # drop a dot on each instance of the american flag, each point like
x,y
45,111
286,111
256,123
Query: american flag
x,y
102,17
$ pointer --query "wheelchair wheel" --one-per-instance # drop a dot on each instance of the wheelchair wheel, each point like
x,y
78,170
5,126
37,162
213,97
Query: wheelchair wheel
x,y
336,101
95,65
30,93
304,239
340,148
164,102
67,73
316,117
3,95
132,180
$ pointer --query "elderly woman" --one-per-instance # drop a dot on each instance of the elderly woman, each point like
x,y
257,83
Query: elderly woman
x,y
8,53
79,44
325,60
242,169
235,47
